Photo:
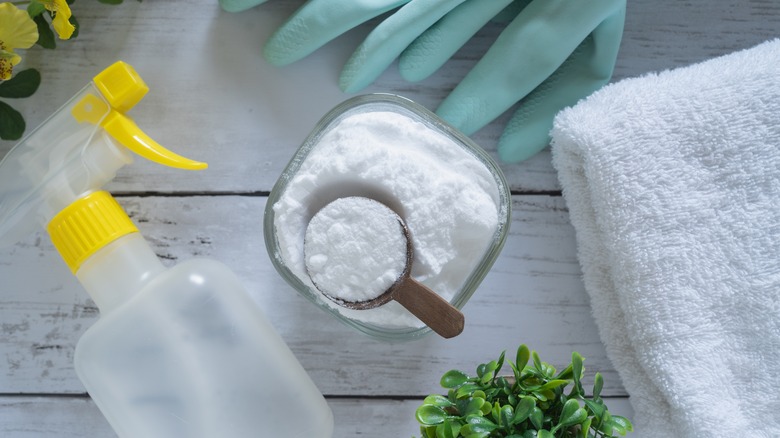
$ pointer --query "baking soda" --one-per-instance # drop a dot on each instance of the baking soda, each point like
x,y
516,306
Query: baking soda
x,y
355,249
448,199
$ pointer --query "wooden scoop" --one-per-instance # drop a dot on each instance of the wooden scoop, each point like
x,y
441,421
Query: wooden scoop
x,y
422,302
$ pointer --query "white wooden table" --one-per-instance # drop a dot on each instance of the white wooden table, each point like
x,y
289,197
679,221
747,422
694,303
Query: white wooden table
x,y
215,99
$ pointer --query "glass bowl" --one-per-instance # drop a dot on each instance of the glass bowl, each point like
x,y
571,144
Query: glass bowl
x,y
295,198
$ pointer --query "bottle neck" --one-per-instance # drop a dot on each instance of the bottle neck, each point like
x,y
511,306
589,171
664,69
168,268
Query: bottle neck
x,y
118,271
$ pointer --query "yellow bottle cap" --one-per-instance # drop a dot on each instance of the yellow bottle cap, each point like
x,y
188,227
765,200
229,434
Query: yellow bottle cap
x,y
121,85
87,225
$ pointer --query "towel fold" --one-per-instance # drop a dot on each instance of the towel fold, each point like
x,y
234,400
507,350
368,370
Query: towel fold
x,y
673,186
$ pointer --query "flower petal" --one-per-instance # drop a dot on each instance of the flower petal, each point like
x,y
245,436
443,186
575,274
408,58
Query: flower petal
x,y
62,14
17,29
7,62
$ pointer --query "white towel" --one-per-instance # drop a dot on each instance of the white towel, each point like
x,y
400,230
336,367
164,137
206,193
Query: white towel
x,y
673,185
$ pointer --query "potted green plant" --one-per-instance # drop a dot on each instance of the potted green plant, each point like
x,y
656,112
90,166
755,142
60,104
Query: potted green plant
x,y
531,403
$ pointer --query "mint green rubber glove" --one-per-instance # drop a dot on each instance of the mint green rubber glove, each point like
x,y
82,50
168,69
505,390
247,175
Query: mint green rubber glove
x,y
239,5
554,53
533,60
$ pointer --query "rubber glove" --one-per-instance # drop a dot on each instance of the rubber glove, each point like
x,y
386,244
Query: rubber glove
x,y
239,5
527,60
552,54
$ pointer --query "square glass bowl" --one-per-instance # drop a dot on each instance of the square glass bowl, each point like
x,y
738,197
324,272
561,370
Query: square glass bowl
x,y
284,231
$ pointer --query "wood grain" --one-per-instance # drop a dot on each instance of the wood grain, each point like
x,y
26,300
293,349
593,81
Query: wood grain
x,y
533,295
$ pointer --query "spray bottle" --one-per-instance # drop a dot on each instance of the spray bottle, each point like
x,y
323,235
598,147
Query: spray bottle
x,y
177,352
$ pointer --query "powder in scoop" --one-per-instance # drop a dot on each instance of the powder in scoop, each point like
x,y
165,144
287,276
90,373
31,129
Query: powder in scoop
x,y
355,249
448,199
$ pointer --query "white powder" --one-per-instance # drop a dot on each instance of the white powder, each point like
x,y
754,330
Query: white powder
x,y
448,199
355,249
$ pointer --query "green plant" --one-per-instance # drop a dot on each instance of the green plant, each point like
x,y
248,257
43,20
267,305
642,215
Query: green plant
x,y
530,403
23,84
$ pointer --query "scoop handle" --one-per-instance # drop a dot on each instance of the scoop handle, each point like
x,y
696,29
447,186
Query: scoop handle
x,y
441,316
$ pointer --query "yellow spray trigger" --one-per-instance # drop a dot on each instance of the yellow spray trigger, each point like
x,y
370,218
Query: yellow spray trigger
x,y
124,88
124,130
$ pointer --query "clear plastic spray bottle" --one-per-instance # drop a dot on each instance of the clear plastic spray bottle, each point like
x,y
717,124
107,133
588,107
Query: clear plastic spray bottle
x,y
177,352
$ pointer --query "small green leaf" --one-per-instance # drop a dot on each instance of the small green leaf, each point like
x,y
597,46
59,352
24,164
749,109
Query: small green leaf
x,y
523,409
537,362
585,427
523,354
467,432
572,414
544,434
576,363
500,361
448,429
486,409
536,417
11,123
428,431
605,425
598,384
466,390
23,84
552,384
505,417
620,425
596,407
45,34
438,400
496,412
481,369
624,422
430,415
35,8
569,407
566,374
474,407
481,424
543,395
76,26
453,379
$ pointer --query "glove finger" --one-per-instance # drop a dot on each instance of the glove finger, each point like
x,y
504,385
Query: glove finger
x,y
587,69
316,23
239,5
527,52
389,39
435,46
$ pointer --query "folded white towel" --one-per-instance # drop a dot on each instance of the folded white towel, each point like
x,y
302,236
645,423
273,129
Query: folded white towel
x,y
673,185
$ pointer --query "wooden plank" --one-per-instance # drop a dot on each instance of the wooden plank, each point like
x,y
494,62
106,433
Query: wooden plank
x,y
533,295
77,417
214,98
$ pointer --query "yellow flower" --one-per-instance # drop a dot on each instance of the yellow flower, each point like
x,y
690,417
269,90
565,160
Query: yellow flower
x,y
62,14
17,31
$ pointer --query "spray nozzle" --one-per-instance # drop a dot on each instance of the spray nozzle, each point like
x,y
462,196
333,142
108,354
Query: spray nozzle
x,y
75,152
122,88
